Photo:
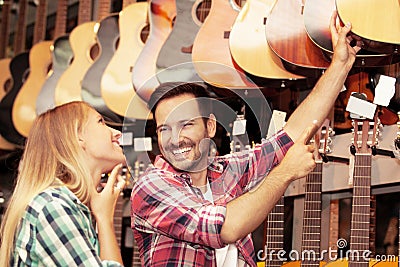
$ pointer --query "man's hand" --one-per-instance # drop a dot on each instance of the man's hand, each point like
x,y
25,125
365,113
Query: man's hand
x,y
342,43
299,160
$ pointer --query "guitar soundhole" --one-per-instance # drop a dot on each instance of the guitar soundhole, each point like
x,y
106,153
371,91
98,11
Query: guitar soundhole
x,y
25,75
144,34
202,10
240,3
49,68
7,85
94,51
116,44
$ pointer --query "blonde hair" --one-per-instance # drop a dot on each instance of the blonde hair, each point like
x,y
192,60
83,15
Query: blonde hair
x,y
52,157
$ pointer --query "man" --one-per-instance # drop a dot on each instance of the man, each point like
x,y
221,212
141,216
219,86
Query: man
x,y
194,209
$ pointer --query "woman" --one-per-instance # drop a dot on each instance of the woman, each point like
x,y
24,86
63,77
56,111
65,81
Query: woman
x,y
48,219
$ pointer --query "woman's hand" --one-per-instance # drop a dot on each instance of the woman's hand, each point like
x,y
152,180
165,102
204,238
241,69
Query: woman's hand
x,y
103,203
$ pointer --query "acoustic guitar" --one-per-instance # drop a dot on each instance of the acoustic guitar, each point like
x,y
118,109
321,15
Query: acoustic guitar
x,y
175,57
317,15
364,141
375,23
83,44
24,108
107,36
251,52
19,69
211,55
62,55
161,15
116,82
288,39
311,233
6,85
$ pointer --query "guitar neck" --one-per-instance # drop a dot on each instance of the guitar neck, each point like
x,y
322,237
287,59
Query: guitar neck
x,y
4,28
61,19
19,42
39,32
118,214
361,208
311,235
274,234
85,11
135,255
104,9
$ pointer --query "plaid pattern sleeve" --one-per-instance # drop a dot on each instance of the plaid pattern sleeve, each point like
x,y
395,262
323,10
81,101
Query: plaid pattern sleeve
x,y
56,230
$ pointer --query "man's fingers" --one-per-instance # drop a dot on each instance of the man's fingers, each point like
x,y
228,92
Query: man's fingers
x,y
308,133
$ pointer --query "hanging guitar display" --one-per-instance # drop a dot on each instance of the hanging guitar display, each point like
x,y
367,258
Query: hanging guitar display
x,y
116,83
107,35
250,50
161,17
380,32
19,69
317,15
62,55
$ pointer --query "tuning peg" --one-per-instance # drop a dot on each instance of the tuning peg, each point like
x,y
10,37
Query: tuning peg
x,y
353,149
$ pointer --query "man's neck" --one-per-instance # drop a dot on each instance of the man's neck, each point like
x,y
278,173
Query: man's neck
x,y
199,178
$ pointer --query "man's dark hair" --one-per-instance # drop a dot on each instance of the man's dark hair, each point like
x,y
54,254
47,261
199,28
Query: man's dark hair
x,y
172,89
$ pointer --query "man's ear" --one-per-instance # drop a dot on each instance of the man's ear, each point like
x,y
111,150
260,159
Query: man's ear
x,y
211,125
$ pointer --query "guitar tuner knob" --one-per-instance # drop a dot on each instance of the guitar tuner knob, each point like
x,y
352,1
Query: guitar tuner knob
x,y
353,149
397,143
373,150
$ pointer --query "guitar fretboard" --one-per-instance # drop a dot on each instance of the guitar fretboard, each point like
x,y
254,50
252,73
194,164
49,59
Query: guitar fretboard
x,y
274,235
360,221
311,237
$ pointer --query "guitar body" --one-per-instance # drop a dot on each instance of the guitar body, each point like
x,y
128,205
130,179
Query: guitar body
x,y
161,14
82,38
107,38
176,52
250,50
6,84
62,56
317,15
116,83
288,39
377,24
19,68
211,55
24,108
5,77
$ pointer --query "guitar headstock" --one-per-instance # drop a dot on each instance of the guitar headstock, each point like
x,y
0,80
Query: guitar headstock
x,y
365,136
322,141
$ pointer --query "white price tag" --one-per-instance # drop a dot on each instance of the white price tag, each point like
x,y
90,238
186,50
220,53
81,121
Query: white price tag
x,y
361,107
384,90
142,144
239,127
126,139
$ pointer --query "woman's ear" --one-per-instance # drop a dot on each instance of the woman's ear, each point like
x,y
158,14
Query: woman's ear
x,y
81,141
211,125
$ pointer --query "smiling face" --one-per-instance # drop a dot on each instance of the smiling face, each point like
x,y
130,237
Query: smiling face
x,y
101,144
183,137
